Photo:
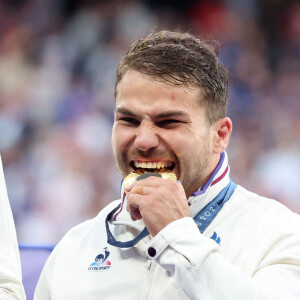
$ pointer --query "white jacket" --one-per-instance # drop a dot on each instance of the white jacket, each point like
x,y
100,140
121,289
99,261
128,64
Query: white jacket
x,y
10,267
258,256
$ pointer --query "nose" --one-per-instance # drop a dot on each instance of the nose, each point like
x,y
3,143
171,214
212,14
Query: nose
x,y
146,138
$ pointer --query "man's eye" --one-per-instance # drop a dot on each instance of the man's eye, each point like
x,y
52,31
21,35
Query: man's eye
x,y
169,123
129,121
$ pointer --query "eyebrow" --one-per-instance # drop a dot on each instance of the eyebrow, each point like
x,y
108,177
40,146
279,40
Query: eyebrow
x,y
172,113
167,114
124,111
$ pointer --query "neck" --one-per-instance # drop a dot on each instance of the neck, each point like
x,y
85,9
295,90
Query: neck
x,y
216,164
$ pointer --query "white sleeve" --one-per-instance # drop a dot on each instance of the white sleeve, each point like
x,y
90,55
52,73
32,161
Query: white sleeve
x,y
42,290
10,266
199,268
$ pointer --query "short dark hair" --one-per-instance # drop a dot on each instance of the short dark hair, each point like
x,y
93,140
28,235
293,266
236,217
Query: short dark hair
x,y
180,59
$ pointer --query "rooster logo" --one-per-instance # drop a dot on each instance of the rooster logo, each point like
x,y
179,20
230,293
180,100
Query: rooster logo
x,y
101,263
100,258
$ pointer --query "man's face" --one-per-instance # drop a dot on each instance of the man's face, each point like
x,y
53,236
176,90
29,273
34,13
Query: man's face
x,y
157,124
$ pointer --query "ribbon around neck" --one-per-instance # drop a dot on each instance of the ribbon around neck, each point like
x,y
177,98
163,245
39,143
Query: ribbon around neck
x,y
203,219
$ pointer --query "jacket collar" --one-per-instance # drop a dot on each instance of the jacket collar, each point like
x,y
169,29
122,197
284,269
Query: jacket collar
x,y
214,185
206,193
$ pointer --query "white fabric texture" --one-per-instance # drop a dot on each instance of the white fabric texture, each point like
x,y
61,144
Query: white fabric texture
x,y
258,256
10,266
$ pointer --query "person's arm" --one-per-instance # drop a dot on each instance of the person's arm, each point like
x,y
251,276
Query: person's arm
x,y
202,272
10,266
42,291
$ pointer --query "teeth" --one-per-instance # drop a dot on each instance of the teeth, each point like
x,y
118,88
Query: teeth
x,y
152,165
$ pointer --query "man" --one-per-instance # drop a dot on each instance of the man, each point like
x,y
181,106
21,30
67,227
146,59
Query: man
x,y
10,267
200,237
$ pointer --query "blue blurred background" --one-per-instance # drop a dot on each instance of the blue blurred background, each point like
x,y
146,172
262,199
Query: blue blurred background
x,y
57,74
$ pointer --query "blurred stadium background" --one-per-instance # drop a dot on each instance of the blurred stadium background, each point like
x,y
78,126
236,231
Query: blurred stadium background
x,y
57,73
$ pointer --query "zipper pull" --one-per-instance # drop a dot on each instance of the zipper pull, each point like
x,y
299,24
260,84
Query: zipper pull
x,y
148,264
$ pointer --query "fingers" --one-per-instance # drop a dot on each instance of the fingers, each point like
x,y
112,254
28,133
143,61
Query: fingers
x,y
133,206
150,194
135,199
137,189
134,213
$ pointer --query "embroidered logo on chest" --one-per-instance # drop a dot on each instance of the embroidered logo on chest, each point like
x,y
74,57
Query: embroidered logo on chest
x,y
101,263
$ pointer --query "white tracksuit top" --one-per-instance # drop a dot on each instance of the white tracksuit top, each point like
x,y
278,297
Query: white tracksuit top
x,y
10,267
258,255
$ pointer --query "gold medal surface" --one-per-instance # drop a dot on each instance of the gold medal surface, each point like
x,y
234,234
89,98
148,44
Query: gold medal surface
x,y
132,177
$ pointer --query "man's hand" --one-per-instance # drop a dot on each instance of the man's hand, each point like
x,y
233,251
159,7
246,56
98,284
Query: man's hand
x,y
157,201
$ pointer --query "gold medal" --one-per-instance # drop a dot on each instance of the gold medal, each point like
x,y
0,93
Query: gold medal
x,y
142,173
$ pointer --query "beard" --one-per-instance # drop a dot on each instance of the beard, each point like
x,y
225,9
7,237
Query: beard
x,y
195,170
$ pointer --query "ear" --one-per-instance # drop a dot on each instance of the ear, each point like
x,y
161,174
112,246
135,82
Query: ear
x,y
222,131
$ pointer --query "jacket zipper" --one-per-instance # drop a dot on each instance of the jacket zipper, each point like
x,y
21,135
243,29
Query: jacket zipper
x,y
147,284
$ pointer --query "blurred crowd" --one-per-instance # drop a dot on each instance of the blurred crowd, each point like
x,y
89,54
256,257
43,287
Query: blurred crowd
x,y
57,74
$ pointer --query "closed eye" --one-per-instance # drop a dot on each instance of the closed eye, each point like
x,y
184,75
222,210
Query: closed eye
x,y
129,121
169,123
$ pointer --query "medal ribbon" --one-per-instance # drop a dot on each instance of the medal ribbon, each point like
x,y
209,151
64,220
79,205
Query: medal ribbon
x,y
203,219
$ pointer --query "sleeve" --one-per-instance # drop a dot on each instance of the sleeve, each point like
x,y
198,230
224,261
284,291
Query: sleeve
x,y
42,291
202,272
46,286
10,266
